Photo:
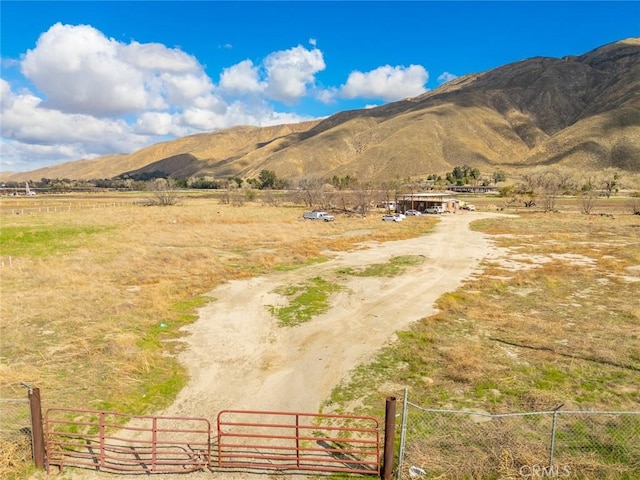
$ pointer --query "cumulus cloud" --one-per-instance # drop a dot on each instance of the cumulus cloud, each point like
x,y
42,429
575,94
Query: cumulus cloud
x,y
241,78
386,82
79,70
83,94
159,124
26,121
446,77
290,72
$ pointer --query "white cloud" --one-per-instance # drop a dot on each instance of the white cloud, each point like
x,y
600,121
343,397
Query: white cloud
x,y
28,126
159,124
290,72
386,82
79,70
183,90
327,95
156,57
446,77
19,157
95,95
241,78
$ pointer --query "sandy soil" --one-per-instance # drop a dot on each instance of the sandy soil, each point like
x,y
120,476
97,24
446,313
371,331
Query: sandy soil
x,y
239,358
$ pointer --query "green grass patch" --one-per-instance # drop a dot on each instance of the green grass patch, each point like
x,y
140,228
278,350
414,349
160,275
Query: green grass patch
x,y
395,266
305,301
40,241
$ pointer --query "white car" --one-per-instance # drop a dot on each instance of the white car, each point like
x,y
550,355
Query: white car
x,y
391,218
415,213
436,209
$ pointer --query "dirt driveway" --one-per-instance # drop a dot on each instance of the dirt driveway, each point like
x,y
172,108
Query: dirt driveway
x,y
239,358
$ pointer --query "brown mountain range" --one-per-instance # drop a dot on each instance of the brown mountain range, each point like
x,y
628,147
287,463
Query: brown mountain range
x,y
581,112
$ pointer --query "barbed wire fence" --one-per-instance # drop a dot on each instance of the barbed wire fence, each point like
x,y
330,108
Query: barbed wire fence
x,y
557,443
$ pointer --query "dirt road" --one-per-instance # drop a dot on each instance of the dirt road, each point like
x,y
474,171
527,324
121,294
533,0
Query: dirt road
x,y
239,358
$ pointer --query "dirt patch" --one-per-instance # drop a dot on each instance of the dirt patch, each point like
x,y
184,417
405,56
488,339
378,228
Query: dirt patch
x,y
239,358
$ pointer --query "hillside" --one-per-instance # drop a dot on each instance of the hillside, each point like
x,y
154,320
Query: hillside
x,y
582,112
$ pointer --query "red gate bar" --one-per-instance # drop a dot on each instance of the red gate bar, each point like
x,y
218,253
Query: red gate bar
x,y
298,441
115,442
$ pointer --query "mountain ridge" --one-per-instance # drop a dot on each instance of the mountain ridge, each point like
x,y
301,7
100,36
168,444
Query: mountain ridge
x,y
581,112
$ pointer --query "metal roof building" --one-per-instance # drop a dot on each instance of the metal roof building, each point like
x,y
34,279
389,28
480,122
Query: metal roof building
x,y
422,201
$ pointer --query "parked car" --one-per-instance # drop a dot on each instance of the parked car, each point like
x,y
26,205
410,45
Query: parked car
x,y
412,212
391,218
318,216
436,209
401,215
469,206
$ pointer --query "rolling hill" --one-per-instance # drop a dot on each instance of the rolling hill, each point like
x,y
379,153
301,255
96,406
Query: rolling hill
x,y
581,112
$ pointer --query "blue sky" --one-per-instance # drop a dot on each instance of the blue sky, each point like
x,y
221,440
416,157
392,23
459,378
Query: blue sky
x,y
81,79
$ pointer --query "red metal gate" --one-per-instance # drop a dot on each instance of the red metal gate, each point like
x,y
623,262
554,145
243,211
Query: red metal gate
x,y
298,441
116,442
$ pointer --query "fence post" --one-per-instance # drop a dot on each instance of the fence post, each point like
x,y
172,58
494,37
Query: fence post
x,y
389,436
553,435
403,431
37,432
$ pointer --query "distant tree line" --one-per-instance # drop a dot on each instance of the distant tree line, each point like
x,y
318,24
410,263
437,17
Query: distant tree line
x,y
537,187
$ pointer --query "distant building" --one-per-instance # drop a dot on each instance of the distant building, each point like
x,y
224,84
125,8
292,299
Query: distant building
x,y
424,201
473,188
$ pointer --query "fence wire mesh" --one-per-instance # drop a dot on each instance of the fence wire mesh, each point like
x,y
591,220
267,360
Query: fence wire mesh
x,y
550,444
15,435
15,417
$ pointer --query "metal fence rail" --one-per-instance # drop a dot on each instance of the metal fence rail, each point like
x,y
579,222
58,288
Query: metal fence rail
x,y
557,444
116,442
298,441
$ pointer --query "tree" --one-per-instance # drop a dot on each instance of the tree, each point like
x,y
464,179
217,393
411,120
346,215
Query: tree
x,y
498,176
546,184
611,180
310,189
343,183
363,197
164,191
267,179
463,175
587,201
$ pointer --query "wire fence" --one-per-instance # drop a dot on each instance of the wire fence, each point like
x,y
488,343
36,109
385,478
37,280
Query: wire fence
x,y
32,209
548,444
15,416
15,435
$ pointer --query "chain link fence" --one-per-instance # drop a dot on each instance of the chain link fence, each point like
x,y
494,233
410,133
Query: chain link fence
x,y
548,444
15,436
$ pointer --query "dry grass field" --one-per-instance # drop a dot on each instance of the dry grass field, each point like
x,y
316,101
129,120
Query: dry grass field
x,y
93,298
556,320
92,301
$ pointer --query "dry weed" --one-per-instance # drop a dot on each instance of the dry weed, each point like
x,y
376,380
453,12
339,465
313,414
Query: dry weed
x,y
15,457
91,321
